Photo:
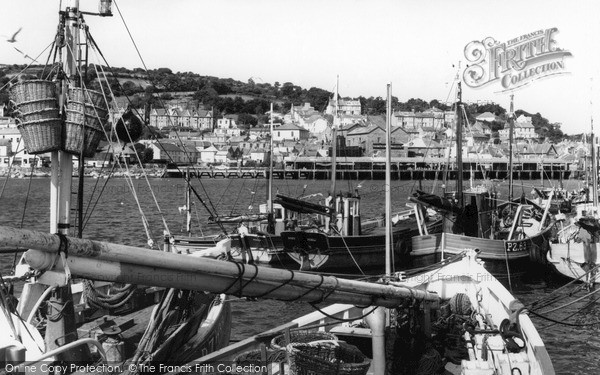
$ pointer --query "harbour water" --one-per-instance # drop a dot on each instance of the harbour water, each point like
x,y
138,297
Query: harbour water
x,y
116,218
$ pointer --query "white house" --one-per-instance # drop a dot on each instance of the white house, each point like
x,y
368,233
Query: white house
x,y
5,152
258,156
207,155
290,132
221,156
523,129
226,123
315,124
345,106
20,154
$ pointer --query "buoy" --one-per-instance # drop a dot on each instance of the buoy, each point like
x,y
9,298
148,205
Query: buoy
x,y
129,127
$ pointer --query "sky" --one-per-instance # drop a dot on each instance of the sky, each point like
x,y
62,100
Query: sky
x,y
416,45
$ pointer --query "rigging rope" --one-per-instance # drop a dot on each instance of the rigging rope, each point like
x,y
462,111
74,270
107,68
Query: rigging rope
x,y
211,211
348,249
127,174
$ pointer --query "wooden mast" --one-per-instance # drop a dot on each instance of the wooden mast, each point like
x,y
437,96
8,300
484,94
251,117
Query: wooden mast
x,y
511,129
594,166
63,330
388,184
270,219
188,207
459,163
334,141
122,263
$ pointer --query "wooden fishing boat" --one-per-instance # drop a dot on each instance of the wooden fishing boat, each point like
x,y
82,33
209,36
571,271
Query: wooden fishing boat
x,y
573,249
457,315
352,248
57,317
341,242
476,327
512,236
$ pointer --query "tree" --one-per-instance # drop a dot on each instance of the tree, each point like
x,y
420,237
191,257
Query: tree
x,y
247,120
148,155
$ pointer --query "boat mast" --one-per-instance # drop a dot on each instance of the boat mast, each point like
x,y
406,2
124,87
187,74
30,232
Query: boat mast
x,y
334,140
388,184
270,223
60,301
459,163
594,166
511,129
188,207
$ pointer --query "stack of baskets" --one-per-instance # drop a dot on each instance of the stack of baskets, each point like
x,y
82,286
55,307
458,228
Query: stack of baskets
x,y
327,358
38,115
87,114
254,362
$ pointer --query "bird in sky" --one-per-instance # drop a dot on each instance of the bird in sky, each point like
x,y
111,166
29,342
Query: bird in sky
x,y
13,38
25,55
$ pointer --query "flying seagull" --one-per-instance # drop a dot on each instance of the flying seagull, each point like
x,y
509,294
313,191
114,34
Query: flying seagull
x,y
13,38
25,55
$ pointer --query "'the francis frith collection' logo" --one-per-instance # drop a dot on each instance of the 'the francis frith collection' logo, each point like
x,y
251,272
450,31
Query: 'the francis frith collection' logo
x,y
514,63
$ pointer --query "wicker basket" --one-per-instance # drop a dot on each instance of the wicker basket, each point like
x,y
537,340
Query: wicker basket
x,y
87,114
37,105
42,114
253,364
41,135
78,135
33,90
301,337
327,358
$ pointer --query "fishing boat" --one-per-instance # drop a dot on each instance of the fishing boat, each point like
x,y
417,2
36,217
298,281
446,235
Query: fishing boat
x,y
573,250
511,235
64,316
256,239
456,316
341,242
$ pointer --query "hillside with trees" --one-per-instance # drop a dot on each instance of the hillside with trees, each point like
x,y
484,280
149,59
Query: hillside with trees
x,y
250,100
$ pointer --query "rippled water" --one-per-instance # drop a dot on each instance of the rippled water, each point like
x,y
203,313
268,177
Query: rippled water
x,y
116,218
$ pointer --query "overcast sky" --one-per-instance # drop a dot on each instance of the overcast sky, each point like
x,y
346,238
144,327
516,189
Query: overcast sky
x,y
414,44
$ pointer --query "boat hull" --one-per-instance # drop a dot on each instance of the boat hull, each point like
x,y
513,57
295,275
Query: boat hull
x,y
319,251
255,248
487,296
520,256
570,260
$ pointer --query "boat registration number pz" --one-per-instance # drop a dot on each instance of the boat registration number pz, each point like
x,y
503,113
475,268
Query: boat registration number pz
x,y
515,246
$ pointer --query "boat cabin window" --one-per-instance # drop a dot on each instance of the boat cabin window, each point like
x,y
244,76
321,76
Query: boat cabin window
x,y
278,214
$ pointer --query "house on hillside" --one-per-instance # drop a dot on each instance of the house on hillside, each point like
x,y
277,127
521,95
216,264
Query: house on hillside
x,y
259,155
367,137
432,118
344,106
298,112
5,152
523,129
207,155
315,124
169,152
290,132
486,117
